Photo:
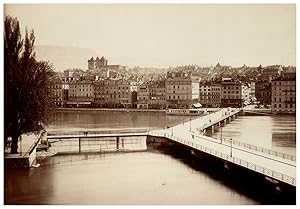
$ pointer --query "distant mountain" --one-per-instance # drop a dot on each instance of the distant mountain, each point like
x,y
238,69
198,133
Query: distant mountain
x,y
63,58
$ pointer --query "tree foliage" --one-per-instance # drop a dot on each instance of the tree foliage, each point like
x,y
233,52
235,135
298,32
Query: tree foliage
x,y
27,82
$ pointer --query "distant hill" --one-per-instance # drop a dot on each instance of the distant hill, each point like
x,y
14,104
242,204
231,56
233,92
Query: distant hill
x,y
63,58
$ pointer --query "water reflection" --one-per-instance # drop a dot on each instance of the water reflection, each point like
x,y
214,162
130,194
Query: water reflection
x,y
144,177
131,178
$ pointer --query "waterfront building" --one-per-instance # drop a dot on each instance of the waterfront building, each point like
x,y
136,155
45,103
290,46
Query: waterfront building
x,y
245,93
133,92
157,94
252,87
205,94
182,90
210,94
284,93
106,92
81,93
56,92
142,96
216,94
231,95
263,92
99,92
124,93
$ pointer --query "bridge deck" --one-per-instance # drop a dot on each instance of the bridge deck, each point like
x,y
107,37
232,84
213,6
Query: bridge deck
x,y
274,166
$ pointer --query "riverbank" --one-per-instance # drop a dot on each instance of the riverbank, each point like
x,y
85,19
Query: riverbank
x,y
108,109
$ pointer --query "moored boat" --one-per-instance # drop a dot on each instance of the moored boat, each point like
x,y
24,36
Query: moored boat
x,y
185,111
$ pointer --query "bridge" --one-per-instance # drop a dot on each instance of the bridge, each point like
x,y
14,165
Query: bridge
x,y
269,163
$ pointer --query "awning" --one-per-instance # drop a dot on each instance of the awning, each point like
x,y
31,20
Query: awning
x,y
197,105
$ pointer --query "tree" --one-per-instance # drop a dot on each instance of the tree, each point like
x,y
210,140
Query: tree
x,y
27,82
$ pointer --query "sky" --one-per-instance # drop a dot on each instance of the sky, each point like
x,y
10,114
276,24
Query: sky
x,y
168,35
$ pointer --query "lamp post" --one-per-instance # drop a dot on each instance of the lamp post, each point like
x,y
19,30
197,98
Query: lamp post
x,y
221,134
230,147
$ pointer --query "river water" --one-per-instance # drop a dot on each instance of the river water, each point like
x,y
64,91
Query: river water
x,y
148,177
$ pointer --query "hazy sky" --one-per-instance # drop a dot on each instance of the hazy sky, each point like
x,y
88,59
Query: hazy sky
x,y
169,35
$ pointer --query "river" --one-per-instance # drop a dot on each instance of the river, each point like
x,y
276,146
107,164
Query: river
x,y
148,177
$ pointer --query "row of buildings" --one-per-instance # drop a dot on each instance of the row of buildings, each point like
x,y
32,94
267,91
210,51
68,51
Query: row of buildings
x,y
178,89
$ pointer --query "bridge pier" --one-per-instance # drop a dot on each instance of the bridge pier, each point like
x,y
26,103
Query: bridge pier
x,y
223,123
79,144
211,128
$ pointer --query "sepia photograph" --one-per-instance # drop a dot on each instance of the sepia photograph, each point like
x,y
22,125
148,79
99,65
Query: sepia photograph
x,y
149,104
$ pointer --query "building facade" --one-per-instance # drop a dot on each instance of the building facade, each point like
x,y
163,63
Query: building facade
x,y
263,92
231,93
181,90
142,97
210,94
56,92
124,94
157,95
284,95
81,93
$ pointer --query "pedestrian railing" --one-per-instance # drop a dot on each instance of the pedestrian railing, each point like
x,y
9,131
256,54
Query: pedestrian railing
x,y
261,149
227,114
260,169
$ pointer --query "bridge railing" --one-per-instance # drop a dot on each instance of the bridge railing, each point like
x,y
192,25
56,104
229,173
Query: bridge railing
x,y
262,149
260,169
225,114
96,132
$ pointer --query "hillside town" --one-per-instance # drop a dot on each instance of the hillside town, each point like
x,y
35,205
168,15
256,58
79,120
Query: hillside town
x,y
115,86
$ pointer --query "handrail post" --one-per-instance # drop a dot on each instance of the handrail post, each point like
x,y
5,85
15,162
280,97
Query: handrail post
x,y
79,144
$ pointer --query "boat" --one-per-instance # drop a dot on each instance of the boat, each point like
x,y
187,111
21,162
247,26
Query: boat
x,y
185,112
